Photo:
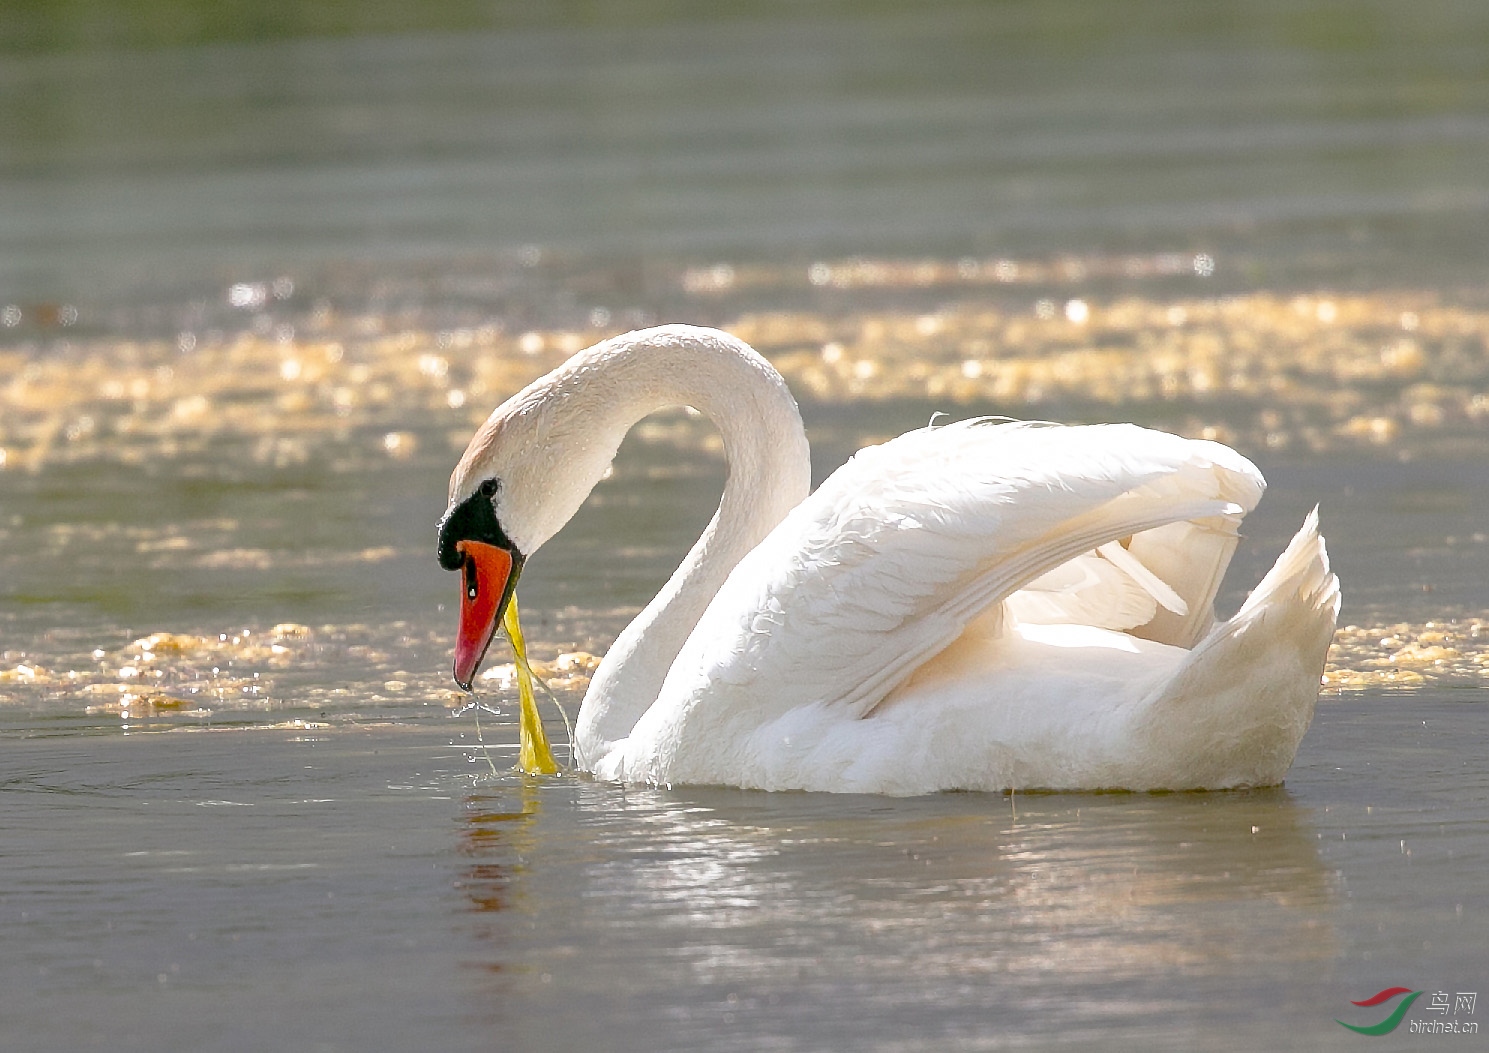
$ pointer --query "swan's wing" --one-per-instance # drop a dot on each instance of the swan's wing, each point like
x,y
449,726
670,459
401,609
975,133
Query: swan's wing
x,y
1110,589
1086,590
887,562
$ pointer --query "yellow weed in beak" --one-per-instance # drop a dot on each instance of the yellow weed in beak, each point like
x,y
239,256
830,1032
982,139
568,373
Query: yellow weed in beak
x,y
534,755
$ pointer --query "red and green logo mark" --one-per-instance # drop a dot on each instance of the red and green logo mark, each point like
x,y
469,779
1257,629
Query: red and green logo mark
x,y
1392,1022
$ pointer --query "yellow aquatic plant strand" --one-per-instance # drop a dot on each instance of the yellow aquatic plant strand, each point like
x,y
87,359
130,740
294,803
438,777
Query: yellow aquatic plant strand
x,y
534,755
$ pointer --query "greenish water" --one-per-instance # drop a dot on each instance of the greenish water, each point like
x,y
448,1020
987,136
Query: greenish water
x,y
1294,142
262,271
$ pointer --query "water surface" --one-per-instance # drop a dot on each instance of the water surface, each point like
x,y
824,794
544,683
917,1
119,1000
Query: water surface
x,y
256,293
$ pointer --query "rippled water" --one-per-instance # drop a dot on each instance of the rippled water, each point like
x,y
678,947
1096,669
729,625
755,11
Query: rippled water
x,y
241,806
366,887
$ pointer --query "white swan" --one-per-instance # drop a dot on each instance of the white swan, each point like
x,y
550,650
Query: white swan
x,y
975,606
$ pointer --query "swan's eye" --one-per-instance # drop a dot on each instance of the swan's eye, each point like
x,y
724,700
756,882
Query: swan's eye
x,y
490,487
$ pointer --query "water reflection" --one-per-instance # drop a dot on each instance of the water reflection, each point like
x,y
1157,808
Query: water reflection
x,y
496,839
703,904
1194,881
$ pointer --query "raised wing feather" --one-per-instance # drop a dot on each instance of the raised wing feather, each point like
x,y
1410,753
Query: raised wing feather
x,y
1086,590
887,562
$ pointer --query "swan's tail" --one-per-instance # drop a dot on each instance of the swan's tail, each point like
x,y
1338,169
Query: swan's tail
x,y
1303,570
1248,689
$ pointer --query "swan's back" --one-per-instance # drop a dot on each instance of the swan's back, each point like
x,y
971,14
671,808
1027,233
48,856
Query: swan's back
x,y
909,544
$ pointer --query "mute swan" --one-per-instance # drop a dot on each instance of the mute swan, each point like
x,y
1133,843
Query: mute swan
x,y
976,606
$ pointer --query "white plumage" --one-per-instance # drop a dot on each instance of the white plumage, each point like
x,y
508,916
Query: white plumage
x,y
974,606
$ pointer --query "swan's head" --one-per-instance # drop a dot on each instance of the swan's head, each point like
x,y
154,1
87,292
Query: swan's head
x,y
523,476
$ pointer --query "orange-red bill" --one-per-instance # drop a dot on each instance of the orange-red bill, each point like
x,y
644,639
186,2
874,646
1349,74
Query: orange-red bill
x,y
487,580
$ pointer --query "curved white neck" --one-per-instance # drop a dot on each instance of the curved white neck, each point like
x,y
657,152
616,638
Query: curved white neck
x,y
769,473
